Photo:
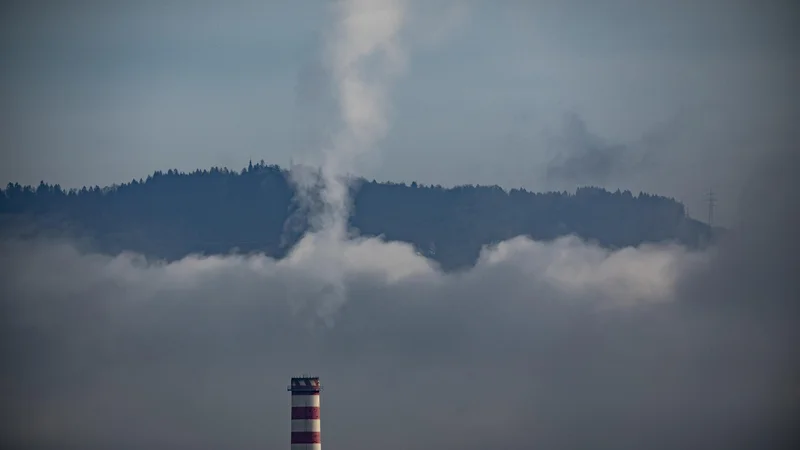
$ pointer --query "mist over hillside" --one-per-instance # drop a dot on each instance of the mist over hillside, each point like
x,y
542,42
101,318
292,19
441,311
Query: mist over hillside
x,y
650,347
171,214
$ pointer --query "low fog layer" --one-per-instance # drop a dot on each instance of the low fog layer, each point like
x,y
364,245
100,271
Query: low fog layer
x,y
541,345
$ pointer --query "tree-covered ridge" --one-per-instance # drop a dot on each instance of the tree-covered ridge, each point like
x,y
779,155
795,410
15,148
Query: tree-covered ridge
x,y
172,214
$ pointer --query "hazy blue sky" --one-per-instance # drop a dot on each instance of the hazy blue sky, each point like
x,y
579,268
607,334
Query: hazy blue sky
x,y
669,97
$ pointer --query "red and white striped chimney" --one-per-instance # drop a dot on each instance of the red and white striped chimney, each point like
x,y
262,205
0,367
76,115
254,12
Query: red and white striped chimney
x,y
305,413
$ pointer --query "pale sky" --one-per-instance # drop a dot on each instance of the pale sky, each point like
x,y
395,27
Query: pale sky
x,y
674,98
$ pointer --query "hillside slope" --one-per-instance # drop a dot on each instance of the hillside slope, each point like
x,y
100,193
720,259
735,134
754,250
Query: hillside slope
x,y
172,214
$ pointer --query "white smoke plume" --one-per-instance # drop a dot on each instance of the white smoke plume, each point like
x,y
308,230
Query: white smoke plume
x,y
363,54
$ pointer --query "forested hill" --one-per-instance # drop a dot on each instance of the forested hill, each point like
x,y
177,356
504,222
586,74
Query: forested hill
x,y
172,214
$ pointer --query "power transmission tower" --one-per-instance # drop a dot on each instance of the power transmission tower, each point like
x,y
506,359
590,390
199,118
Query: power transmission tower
x,y
712,202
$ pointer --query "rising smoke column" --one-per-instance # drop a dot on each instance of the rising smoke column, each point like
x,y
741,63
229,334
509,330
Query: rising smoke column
x,y
365,44
363,55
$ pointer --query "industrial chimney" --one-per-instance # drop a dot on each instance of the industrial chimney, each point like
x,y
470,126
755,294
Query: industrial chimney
x,y
305,413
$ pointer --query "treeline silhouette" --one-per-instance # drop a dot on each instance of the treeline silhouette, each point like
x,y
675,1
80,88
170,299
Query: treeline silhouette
x,y
172,214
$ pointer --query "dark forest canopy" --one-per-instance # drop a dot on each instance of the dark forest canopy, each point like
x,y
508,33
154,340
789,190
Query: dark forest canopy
x,y
172,214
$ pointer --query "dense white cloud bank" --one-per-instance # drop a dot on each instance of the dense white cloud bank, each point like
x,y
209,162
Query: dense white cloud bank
x,y
562,343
